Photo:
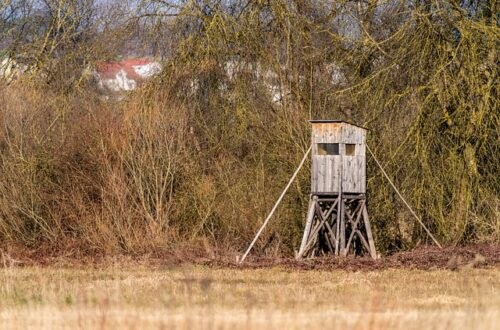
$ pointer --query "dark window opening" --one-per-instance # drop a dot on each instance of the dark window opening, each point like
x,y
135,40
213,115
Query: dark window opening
x,y
328,149
350,149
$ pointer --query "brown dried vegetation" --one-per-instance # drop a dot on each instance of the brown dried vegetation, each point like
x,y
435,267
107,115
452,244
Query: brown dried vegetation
x,y
194,159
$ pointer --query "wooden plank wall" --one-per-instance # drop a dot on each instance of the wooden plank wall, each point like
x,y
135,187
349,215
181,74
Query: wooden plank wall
x,y
325,170
354,167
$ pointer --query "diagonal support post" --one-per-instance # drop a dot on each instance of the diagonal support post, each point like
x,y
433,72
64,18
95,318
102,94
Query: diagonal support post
x,y
403,199
269,216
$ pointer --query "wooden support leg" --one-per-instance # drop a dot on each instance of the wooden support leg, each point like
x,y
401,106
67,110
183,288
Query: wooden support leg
x,y
354,225
337,231
307,230
371,243
342,225
338,225
332,236
314,235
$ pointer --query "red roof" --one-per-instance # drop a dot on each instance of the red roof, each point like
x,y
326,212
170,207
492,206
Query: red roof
x,y
109,70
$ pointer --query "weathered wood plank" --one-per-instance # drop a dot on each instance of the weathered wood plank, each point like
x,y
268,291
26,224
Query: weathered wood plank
x,y
371,242
307,229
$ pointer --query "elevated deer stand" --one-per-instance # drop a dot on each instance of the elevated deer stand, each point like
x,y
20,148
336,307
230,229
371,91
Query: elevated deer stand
x,y
337,219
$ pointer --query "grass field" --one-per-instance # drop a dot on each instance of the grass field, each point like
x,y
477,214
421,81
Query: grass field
x,y
191,297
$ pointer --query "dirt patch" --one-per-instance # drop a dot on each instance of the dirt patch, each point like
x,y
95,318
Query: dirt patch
x,y
424,258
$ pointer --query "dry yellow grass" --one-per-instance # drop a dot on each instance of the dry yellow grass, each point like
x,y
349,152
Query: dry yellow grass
x,y
199,297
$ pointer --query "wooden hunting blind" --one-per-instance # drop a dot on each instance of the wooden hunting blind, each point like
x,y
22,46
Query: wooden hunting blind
x,y
338,157
337,219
